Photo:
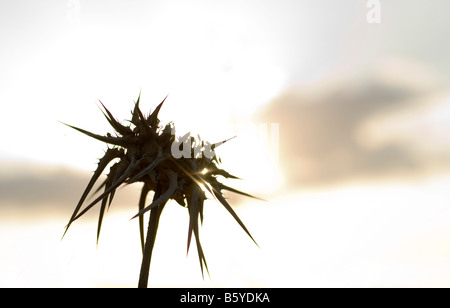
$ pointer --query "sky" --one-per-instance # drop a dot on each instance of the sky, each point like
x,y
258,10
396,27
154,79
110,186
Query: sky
x,y
342,125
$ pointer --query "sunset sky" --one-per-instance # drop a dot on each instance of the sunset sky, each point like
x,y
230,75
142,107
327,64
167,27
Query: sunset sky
x,y
342,125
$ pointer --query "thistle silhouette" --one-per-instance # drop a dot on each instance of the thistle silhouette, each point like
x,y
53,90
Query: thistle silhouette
x,y
144,153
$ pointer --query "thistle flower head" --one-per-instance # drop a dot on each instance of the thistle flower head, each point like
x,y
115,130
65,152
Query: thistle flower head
x,y
181,170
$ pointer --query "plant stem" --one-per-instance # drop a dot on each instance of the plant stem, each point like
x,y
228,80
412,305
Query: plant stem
x,y
155,214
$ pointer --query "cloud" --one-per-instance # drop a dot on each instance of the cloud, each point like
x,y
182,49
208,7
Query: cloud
x,y
50,190
321,139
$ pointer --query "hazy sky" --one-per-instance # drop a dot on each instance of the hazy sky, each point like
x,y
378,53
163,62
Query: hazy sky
x,y
59,57
356,102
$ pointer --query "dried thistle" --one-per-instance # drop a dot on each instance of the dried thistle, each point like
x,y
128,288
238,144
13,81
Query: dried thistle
x,y
145,152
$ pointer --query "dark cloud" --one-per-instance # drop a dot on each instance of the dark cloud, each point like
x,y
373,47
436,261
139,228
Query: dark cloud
x,y
54,190
318,131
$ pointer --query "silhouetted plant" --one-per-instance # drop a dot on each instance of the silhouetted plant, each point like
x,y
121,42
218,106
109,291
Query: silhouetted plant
x,y
144,151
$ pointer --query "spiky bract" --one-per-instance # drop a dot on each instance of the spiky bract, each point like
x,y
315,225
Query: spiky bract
x,y
144,153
